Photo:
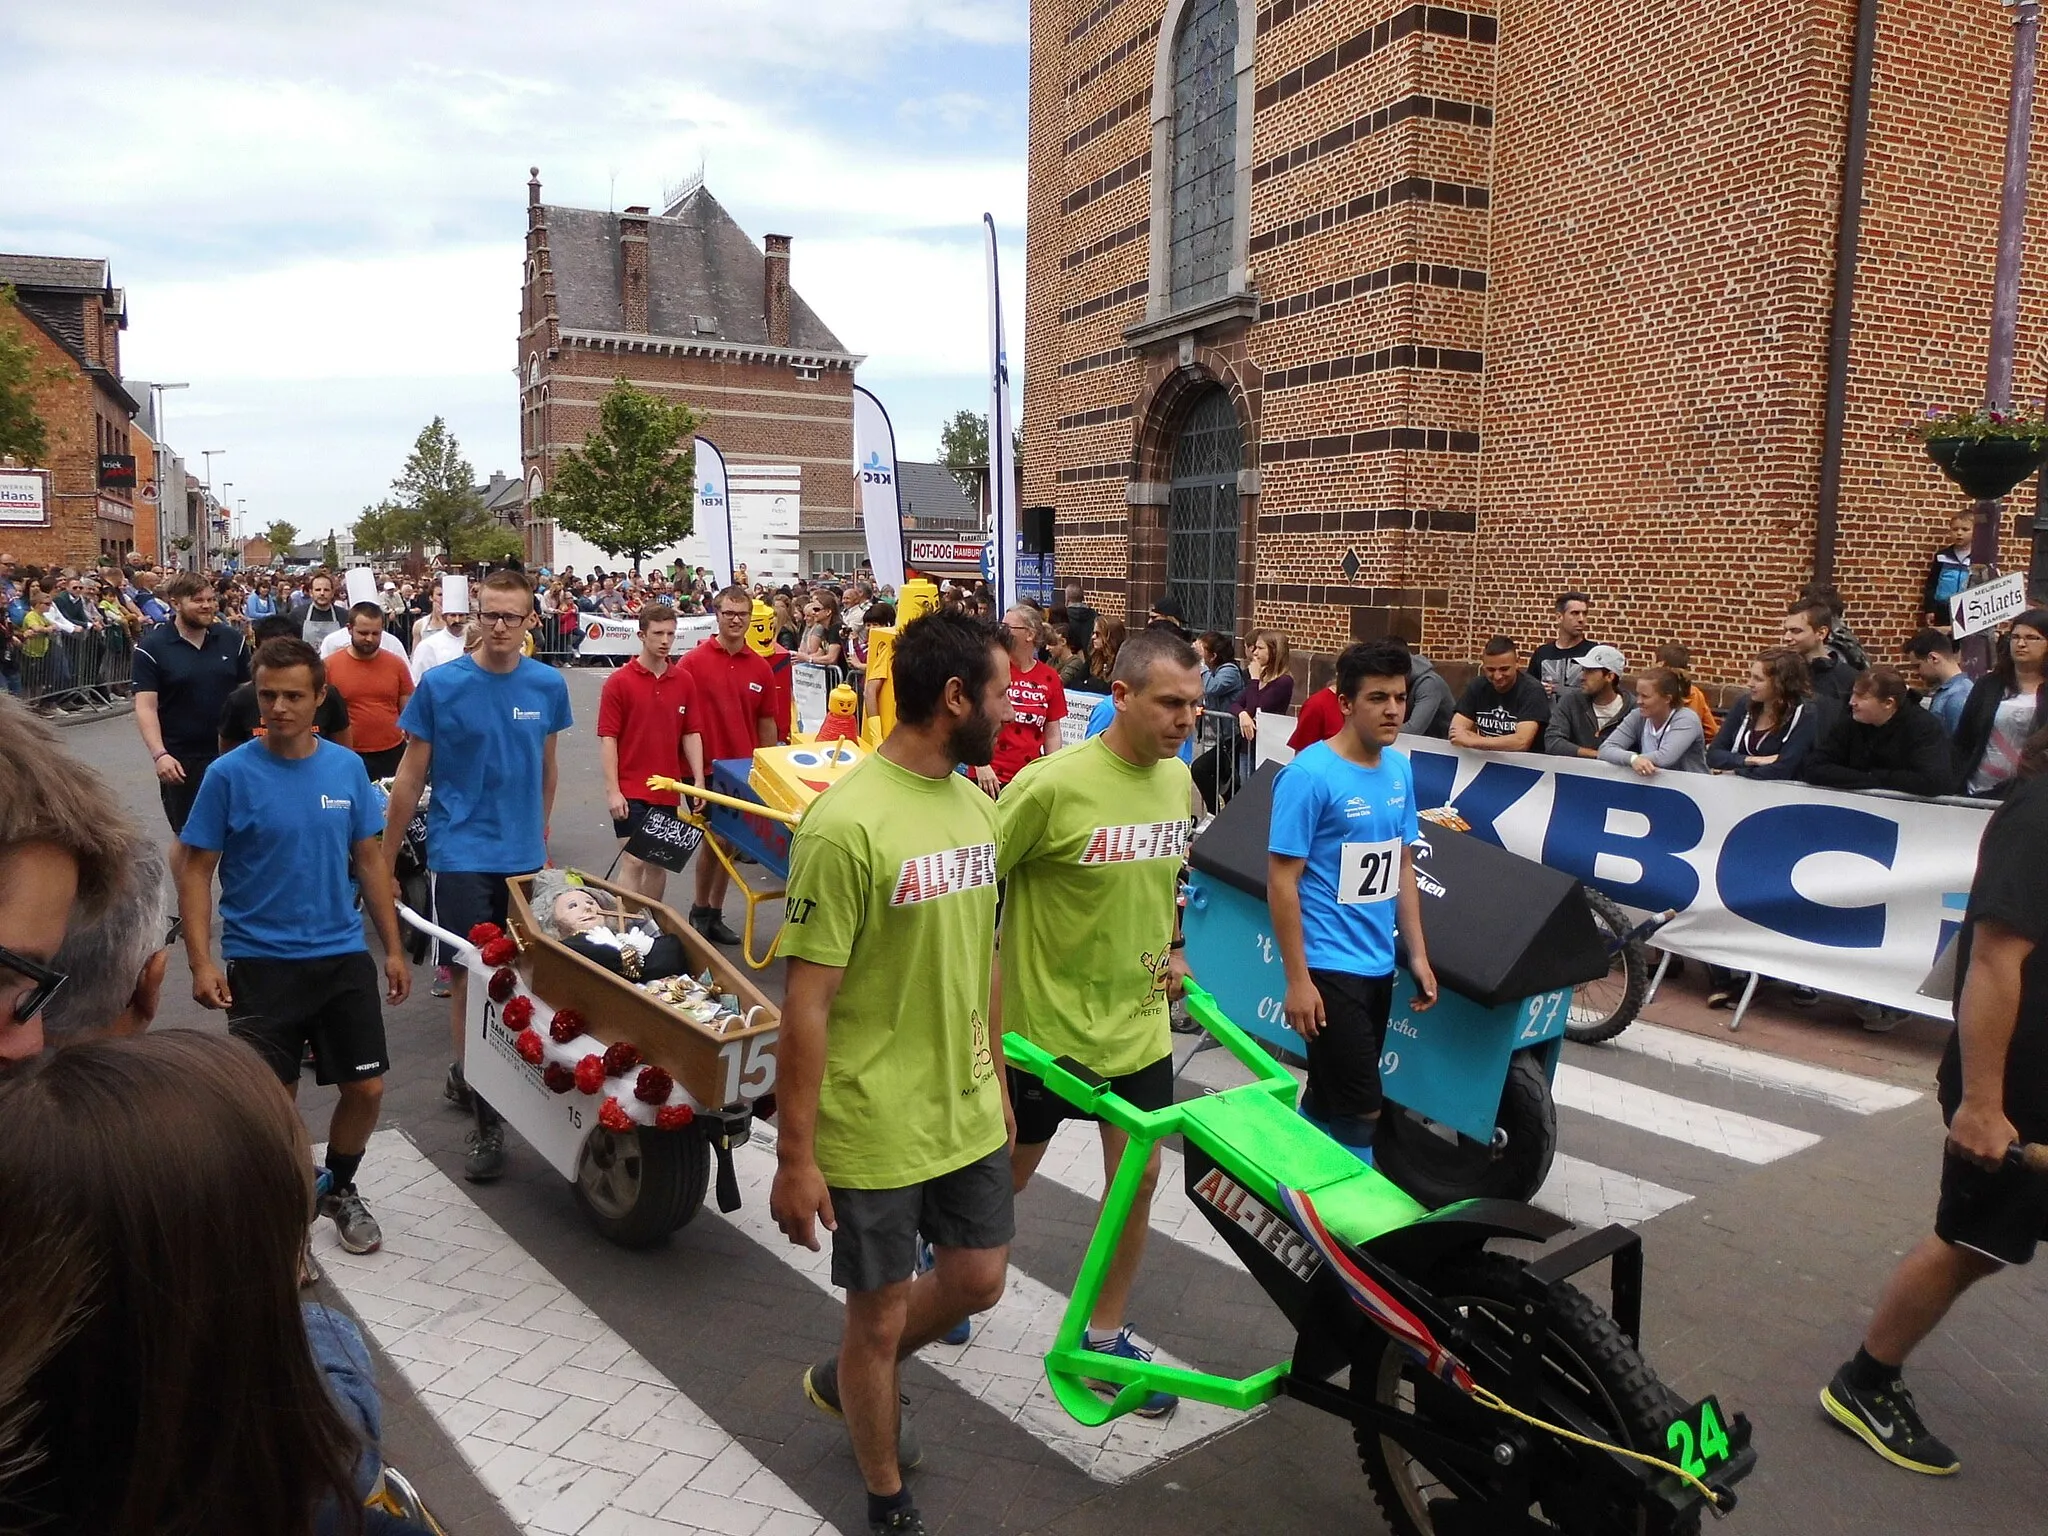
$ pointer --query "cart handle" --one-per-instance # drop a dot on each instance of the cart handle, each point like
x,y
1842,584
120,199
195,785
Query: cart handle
x,y
460,945
751,807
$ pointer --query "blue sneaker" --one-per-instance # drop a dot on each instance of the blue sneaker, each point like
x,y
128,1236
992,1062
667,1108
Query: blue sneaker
x,y
961,1331
1124,1347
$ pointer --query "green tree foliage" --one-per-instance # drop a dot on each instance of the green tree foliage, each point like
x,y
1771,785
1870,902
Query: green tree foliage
x,y
381,532
281,536
330,553
963,448
437,503
631,488
22,433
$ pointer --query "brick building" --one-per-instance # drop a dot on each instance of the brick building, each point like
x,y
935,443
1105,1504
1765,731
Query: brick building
x,y
1353,316
685,305
71,315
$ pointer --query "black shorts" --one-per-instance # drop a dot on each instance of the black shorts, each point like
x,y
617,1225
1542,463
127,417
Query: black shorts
x,y
1039,1110
382,765
2001,1214
636,812
463,898
1344,1057
334,1003
177,798
875,1243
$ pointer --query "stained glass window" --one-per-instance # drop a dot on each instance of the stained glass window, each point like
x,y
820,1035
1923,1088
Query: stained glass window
x,y
1204,153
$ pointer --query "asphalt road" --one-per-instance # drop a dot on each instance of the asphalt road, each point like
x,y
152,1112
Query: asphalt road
x,y
1771,1207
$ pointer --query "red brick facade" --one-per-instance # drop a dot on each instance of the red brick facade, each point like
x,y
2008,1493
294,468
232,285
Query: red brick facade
x,y
1527,303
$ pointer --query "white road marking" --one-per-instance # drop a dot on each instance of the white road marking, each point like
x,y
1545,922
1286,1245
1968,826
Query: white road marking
x,y
1840,1090
1074,1159
1591,1196
1003,1362
570,1428
1664,1114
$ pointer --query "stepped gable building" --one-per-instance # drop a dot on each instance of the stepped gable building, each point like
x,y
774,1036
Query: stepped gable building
x,y
686,306
1352,317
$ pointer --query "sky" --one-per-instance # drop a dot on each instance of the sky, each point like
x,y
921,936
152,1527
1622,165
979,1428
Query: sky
x,y
318,211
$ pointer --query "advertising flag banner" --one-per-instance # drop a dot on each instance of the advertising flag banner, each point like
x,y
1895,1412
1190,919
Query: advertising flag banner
x,y
874,469
714,511
1002,469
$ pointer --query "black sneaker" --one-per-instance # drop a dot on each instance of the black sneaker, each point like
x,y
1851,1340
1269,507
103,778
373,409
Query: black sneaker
x,y
898,1522
713,926
484,1153
455,1090
821,1386
1885,1419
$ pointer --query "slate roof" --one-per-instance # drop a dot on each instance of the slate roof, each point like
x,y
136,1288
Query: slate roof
x,y
930,493
81,272
699,262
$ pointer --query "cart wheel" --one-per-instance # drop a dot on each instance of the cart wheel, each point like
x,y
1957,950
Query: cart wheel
x,y
1439,1167
638,1188
1604,1007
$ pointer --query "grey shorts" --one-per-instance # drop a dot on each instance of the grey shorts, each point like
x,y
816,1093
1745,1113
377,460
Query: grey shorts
x,y
876,1241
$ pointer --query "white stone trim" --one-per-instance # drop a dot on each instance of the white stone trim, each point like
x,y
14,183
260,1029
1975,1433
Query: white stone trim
x,y
1158,267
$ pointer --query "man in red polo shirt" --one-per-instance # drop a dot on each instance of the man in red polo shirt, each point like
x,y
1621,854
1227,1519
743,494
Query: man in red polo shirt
x,y
1036,699
646,725
735,714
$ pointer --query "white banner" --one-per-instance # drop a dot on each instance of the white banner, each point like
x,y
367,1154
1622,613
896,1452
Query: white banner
x,y
874,468
24,497
810,692
1002,472
714,510
1977,608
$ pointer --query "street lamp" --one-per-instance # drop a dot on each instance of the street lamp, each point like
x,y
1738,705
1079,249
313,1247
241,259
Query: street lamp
x,y
206,530
156,422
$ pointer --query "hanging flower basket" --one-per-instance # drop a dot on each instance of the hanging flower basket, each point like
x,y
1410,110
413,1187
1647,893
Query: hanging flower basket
x,y
1985,452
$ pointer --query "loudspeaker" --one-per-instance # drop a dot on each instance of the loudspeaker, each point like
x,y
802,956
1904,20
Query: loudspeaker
x,y
1500,927
1036,527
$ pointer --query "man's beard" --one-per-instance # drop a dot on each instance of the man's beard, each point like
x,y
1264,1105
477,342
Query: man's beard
x,y
973,741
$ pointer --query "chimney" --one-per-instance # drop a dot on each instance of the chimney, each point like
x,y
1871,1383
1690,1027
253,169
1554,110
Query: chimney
x,y
775,290
633,268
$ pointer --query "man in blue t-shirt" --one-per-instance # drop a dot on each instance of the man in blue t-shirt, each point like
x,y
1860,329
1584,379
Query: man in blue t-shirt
x,y
481,731
284,818
1340,881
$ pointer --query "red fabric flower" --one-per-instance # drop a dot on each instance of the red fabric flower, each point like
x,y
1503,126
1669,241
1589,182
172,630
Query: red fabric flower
x,y
518,1013
620,1057
560,1079
653,1085
568,1025
484,933
613,1116
590,1073
529,1047
673,1117
503,980
500,951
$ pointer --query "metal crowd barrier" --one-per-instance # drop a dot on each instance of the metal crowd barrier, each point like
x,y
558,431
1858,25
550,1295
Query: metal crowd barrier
x,y
556,637
86,670
1223,757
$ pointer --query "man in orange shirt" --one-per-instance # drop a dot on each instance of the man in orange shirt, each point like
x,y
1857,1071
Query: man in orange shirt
x,y
375,685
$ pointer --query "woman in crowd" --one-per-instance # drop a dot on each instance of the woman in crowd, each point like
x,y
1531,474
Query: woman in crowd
x,y
1109,639
1676,657
1222,678
2003,710
788,633
1063,649
1662,733
1271,687
158,1373
1883,740
1770,731
824,638
258,604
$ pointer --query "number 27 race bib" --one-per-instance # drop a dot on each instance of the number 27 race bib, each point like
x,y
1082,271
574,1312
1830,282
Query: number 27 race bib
x,y
1369,873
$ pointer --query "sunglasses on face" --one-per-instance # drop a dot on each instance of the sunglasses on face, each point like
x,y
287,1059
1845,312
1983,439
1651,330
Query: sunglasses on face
x,y
44,984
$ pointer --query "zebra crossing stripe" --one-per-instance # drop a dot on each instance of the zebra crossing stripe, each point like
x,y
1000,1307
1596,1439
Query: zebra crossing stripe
x,y
1838,1090
1074,1159
1589,1195
1740,1136
568,1426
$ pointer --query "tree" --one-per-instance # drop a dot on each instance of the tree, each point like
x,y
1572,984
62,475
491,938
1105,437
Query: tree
x,y
22,433
437,500
281,536
631,488
330,553
381,531
963,448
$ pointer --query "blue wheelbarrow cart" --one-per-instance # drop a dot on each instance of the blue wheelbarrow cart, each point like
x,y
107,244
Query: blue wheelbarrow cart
x,y
1469,1110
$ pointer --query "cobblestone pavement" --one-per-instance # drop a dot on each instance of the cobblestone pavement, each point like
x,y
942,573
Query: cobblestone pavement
x,y
541,1380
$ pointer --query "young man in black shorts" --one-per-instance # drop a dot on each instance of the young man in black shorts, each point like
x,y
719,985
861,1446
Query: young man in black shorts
x,y
284,819
1340,882
1993,1086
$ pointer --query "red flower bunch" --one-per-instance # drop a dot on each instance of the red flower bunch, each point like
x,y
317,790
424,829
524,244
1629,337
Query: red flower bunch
x,y
590,1073
503,980
485,933
500,951
518,1013
653,1085
620,1057
673,1117
613,1116
568,1024
529,1047
560,1079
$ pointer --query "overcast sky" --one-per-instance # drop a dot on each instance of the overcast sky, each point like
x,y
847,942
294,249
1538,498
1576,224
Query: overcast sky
x,y
317,210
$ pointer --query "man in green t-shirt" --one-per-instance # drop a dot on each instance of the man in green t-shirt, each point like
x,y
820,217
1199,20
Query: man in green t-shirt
x,y
1091,842
892,1119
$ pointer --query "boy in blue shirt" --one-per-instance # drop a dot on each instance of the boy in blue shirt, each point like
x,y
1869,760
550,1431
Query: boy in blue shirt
x,y
284,818
1340,880
481,729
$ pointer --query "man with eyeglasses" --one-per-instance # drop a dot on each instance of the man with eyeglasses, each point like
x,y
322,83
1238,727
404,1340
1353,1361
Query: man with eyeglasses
x,y
481,730
1037,701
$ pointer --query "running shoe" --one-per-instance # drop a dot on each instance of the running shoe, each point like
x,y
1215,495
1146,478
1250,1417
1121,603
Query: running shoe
x,y
455,1090
821,1386
484,1153
1885,1419
961,1331
1156,1405
898,1522
358,1229
444,981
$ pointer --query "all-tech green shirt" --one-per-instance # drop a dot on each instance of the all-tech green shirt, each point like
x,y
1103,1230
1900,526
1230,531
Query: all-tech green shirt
x,y
1091,846
892,878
